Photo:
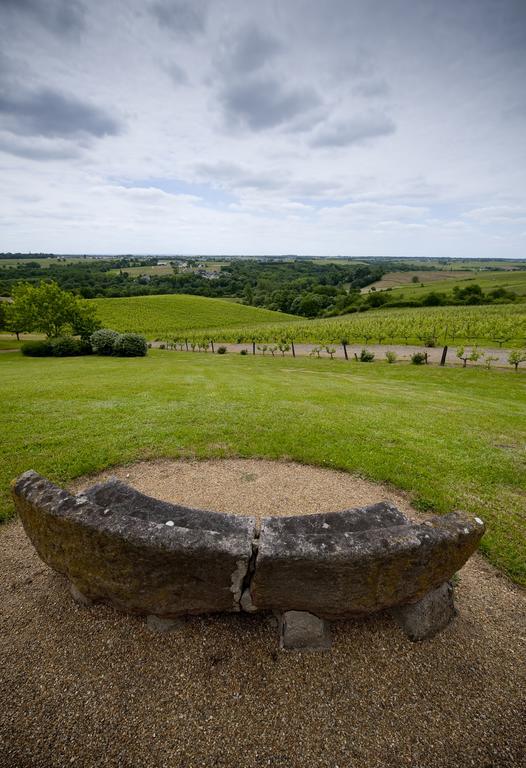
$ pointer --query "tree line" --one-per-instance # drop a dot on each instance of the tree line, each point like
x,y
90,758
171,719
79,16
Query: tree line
x,y
304,288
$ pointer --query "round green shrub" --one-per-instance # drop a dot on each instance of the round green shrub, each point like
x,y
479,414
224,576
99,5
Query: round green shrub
x,y
103,341
37,348
69,346
419,358
366,356
221,350
130,345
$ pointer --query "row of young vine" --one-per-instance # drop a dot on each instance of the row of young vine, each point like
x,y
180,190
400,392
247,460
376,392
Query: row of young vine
x,y
503,325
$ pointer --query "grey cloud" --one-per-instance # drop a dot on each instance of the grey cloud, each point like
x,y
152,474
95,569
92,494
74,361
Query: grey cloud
x,y
234,175
52,114
59,16
177,74
249,50
36,151
371,89
183,18
264,103
354,131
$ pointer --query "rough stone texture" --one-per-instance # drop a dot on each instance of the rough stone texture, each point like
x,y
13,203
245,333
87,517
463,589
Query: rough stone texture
x,y
301,631
341,573
138,565
429,615
125,500
146,556
246,602
381,515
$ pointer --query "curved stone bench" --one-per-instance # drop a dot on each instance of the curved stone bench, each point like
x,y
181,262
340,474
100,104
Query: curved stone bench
x,y
359,561
140,555
149,557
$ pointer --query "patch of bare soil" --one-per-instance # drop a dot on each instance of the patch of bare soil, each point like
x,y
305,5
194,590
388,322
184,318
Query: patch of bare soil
x,y
92,687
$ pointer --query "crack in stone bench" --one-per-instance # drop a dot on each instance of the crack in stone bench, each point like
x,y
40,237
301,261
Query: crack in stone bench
x,y
165,561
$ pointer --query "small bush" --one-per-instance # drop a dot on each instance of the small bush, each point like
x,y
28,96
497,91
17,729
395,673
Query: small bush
x,y
130,345
243,351
429,341
69,346
365,356
390,356
102,342
419,358
162,346
221,350
37,348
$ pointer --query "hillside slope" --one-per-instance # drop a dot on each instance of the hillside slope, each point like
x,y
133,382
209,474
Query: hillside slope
x,y
170,314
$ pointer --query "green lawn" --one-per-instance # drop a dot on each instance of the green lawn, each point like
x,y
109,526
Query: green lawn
x,y
167,315
453,438
9,343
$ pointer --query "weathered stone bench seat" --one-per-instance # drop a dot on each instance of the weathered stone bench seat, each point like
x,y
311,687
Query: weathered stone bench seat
x,y
340,573
138,565
150,557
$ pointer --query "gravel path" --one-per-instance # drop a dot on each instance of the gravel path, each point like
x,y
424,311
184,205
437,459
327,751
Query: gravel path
x,y
91,687
403,352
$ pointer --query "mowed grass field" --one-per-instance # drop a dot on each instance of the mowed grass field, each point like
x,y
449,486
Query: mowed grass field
x,y
164,316
401,285
452,438
154,269
43,262
397,279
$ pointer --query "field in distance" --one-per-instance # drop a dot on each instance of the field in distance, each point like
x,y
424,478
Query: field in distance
x,y
402,285
162,316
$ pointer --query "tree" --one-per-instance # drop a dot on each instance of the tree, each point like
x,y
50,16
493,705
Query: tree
x,y
19,314
49,309
516,357
465,355
84,321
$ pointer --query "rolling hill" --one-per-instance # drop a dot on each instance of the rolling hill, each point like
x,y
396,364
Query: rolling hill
x,y
168,315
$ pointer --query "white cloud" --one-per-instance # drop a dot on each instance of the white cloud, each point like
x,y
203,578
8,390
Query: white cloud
x,y
276,127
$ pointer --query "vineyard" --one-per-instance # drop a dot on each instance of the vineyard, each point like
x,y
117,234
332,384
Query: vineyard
x,y
158,316
501,325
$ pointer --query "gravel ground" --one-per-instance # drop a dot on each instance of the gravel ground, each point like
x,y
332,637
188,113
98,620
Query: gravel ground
x,y
90,687
403,351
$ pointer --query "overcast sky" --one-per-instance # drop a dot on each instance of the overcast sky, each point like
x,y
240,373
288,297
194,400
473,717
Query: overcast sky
x,y
355,127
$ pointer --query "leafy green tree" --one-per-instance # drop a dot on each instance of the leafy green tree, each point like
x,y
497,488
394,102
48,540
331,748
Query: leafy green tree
x,y
49,309
516,357
19,313
84,320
